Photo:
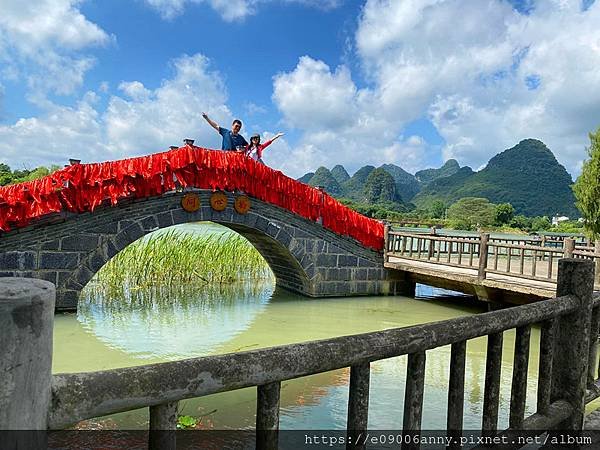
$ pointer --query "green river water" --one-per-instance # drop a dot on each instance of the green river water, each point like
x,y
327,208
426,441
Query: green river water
x,y
157,325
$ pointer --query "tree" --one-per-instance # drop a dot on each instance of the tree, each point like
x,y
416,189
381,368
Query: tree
x,y
437,209
504,213
380,187
471,213
587,188
540,223
521,222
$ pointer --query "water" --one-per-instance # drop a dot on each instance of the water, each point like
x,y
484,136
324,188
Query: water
x,y
155,326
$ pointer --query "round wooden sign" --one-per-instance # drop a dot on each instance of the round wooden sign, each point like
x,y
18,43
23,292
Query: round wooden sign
x,y
242,204
218,201
190,202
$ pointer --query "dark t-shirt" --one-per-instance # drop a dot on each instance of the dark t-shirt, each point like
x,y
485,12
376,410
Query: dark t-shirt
x,y
231,141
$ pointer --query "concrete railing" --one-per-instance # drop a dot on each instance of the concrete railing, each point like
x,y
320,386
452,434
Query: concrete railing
x,y
567,362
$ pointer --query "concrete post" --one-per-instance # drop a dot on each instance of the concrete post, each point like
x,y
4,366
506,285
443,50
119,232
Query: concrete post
x,y
571,346
26,324
568,247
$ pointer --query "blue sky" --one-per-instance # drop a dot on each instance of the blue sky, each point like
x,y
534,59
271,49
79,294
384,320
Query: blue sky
x,y
410,82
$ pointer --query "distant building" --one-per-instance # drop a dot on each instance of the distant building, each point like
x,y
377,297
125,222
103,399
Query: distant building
x,y
558,219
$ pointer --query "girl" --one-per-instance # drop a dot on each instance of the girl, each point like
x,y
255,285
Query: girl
x,y
255,149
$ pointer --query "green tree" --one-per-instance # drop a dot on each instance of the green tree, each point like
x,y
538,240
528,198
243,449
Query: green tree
x,y
541,223
471,213
437,209
521,222
504,213
587,188
380,187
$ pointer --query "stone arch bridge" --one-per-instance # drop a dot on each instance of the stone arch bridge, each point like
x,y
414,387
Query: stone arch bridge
x,y
68,248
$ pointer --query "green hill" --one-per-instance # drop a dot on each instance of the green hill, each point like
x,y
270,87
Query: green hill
x,y
306,177
323,177
426,176
340,174
380,187
527,176
407,185
355,186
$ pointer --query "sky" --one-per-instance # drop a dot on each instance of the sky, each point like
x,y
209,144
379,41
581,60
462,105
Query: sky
x,y
351,82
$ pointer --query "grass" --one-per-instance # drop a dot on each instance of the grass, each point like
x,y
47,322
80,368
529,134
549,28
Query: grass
x,y
175,258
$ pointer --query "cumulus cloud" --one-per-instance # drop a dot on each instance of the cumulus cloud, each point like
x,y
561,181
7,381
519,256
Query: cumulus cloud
x,y
40,40
140,121
487,75
484,73
340,122
150,120
231,10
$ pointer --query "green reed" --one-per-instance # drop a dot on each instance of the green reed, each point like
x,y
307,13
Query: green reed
x,y
176,258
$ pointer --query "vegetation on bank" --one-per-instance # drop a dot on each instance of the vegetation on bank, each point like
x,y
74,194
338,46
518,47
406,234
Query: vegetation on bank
x,y
175,257
470,214
9,176
587,188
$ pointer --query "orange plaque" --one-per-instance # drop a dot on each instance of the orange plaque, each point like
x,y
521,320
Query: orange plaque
x,y
218,201
190,202
242,204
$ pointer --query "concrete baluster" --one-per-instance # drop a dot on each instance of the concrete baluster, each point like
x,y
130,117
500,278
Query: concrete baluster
x,y
571,345
26,324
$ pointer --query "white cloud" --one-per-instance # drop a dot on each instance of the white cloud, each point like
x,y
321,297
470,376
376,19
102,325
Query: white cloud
x,y
340,123
311,97
467,63
231,10
63,133
484,74
40,41
141,121
154,119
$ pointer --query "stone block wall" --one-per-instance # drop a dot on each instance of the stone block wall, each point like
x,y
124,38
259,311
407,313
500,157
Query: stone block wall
x,y
68,249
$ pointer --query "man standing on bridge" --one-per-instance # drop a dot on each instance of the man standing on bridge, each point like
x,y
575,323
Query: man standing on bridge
x,y
232,140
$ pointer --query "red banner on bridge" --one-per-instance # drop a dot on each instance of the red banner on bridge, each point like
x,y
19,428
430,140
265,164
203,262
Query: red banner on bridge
x,y
84,187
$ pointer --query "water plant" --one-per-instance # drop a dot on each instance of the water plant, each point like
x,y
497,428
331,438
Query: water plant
x,y
186,422
175,258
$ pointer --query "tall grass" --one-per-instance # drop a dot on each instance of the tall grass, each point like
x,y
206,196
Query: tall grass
x,y
175,258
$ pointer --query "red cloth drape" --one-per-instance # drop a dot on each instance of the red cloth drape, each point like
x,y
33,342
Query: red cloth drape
x,y
83,187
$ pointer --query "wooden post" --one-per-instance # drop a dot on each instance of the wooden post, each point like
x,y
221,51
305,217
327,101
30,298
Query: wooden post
x,y
571,346
569,246
26,325
483,255
267,416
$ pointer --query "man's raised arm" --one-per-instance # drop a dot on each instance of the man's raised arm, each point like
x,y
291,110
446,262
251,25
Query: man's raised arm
x,y
211,122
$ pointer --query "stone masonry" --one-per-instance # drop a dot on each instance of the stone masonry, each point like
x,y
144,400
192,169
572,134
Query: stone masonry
x,y
68,249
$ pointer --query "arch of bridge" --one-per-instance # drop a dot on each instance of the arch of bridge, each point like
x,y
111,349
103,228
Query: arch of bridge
x,y
305,257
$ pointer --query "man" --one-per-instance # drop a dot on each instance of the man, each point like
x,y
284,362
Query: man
x,y
232,139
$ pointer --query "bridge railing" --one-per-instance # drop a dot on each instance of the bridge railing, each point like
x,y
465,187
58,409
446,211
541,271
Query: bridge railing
x,y
567,362
501,256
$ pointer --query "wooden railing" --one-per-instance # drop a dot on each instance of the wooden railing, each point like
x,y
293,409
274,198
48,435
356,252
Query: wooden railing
x,y
501,256
33,396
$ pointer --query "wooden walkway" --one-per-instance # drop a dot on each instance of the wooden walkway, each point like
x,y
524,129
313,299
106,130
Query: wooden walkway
x,y
495,270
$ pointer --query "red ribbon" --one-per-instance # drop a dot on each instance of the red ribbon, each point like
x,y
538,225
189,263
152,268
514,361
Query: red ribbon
x,y
84,187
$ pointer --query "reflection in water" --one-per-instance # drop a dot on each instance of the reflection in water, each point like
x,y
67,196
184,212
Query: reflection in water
x,y
173,323
160,325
